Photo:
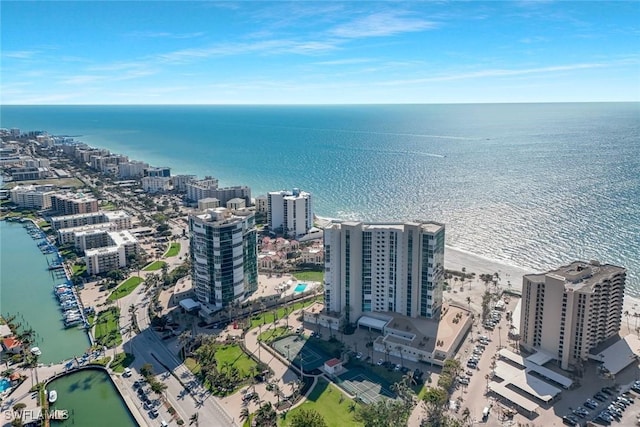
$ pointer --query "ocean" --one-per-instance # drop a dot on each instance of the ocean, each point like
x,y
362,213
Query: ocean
x,y
531,185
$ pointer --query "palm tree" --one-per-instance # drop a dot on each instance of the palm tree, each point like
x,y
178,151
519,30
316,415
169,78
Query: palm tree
x,y
466,415
316,316
399,348
244,413
194,419
626,313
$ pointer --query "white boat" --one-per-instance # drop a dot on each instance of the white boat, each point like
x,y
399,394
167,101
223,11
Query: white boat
x,y
36,351
53,396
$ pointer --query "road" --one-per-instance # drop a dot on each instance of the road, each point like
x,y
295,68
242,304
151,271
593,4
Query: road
x,y
149,348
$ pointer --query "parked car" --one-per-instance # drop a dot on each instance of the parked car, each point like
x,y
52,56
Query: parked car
x,y
600,397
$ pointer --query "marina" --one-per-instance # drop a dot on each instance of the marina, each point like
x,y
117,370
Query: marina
x,y
92,400
28,289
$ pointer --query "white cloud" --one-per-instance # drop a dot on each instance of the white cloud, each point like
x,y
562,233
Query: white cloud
x,y
382,24
20,54
264,47
164,34
497,73
346,61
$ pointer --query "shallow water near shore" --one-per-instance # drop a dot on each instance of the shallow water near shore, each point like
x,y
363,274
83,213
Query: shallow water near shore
x,y
26,291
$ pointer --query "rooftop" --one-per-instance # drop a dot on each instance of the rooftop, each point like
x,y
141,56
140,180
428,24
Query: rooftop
x,y
579,275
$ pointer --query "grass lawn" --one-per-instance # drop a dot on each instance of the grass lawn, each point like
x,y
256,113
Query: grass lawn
x,y
78,269
309,276
174,250
156,265
234,356
102,361
273,334
109,206
125,288
192,365
267,317
326,399
107,331
121,361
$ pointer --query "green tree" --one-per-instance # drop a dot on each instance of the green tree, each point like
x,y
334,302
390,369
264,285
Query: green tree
x,y
307,418
266,416
147,370
158,387
435,398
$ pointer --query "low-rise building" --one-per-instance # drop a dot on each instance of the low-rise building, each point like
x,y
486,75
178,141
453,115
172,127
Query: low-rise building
x,y
32,196
208,203
156,184
121,246
73,203
236,204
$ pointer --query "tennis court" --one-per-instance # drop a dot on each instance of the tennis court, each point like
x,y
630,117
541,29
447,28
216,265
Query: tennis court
x,y
299,351
367,389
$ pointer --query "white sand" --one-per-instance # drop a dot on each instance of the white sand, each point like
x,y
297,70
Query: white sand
x,y
455,259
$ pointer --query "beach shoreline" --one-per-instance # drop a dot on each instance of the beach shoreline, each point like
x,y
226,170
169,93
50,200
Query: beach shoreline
x,y
455,259
510,275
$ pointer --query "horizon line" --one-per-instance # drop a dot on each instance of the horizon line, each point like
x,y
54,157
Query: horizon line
x,y
316,104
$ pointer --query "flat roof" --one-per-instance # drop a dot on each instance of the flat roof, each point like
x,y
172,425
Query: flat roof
x,y
513,397
526,382
516,358
189,304
530,366
620,354
540,358
372,322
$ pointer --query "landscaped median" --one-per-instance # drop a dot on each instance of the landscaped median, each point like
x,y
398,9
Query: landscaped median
x,y
107,330
223,367
125,288
174,250
156,265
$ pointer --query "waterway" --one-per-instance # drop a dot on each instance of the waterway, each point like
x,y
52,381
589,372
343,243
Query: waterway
x,y
26,291
91,399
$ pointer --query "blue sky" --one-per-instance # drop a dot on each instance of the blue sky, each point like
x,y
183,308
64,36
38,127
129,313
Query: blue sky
x,y
318,52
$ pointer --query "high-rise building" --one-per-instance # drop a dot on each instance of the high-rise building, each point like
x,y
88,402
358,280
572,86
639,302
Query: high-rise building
x,y
224,254
395,267
290,212
571,310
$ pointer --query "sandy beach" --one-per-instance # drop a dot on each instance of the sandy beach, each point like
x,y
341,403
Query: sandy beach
x,y
456,259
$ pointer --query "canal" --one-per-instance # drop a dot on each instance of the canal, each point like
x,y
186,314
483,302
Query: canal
x,y
26,292
91,399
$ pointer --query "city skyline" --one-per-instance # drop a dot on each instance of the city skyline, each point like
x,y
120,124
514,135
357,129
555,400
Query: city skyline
x,y
318,52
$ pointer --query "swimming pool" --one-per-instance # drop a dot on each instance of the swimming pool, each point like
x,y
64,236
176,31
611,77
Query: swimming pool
x,y
300,288
4,384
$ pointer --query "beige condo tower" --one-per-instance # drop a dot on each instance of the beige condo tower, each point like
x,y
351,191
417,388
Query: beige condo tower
x,y
571,310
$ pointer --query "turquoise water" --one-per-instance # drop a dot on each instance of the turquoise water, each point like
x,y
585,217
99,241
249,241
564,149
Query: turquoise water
x,y
4,384
91,399
533,185
300,288
26,291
